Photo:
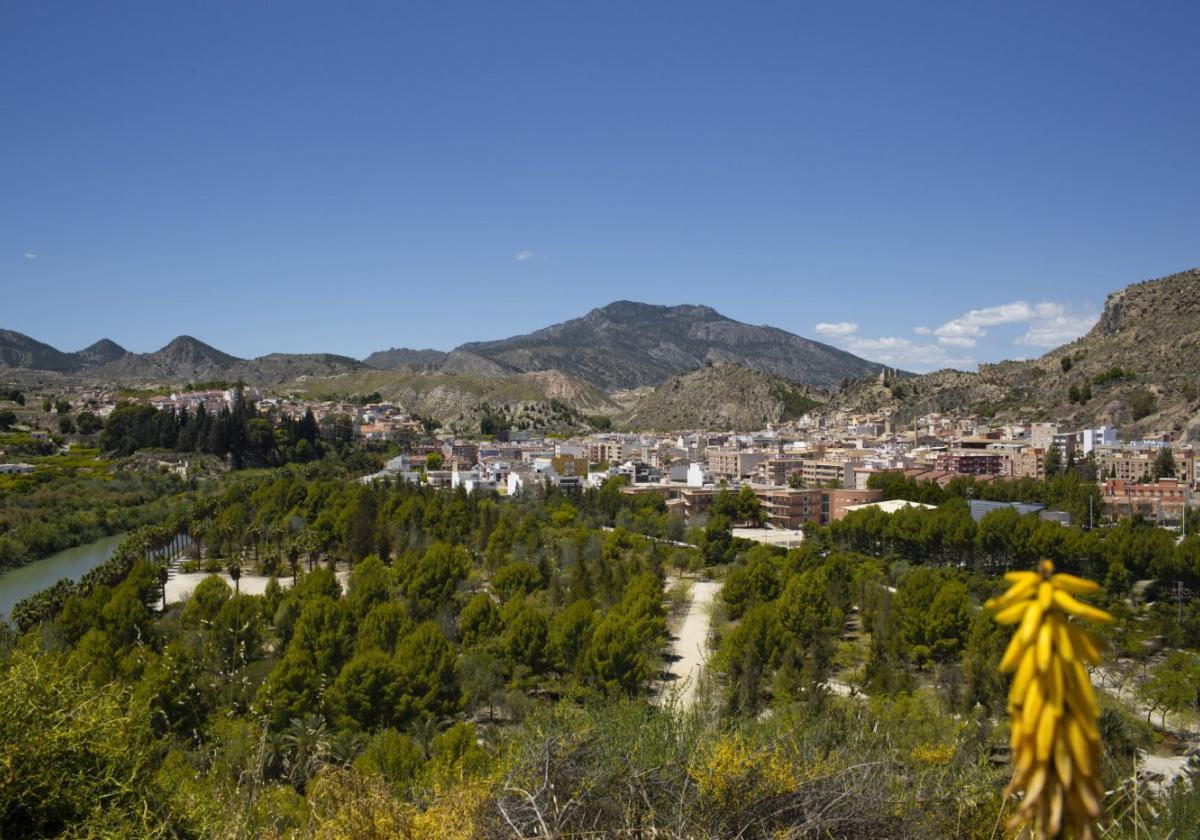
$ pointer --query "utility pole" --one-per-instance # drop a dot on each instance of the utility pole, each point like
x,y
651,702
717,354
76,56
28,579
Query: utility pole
x,y
1181,593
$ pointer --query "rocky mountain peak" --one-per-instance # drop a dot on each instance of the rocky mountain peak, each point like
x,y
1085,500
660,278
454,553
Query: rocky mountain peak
x,y
102,352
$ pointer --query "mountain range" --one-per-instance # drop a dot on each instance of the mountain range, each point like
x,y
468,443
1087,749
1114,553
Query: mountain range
x,y
649,366
617,347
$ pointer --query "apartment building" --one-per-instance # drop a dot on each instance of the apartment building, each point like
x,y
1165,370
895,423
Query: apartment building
x,y
1164,499
1029,462
779,469
1064,442
1089,439
973,462
826,472
1137,464
460,452
788,508
611,450
1041,434
733,464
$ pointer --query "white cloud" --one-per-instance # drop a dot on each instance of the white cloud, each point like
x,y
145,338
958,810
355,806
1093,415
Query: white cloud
x,y
956,341
30,256
1057,329
1049,324
524,255
839,330
971,325
904,353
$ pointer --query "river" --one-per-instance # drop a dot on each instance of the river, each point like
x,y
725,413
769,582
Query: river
x,y
70,563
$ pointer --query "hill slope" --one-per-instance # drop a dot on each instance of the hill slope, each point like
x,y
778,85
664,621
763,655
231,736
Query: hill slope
x,y
395,357
544,400
629,345
101,353
183,358
18,350
1138,368
723,396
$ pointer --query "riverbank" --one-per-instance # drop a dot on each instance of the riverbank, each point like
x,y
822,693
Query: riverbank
x,y
71,563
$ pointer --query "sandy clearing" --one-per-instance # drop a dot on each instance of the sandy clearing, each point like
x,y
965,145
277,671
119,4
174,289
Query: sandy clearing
x,y
690,651
181,586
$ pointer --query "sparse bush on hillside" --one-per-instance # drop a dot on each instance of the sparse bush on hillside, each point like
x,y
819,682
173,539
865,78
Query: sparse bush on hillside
x,y
1113,374
1141,403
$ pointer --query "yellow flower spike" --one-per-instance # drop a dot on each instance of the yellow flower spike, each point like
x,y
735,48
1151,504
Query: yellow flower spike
x,y
1058,688
1069,605
1025,672
1045,595
1045,733
1086,643
1083,685
1055,738
1031,709
1012,654
1045,642
1031,622
1063,764
1062,639
1075,585
1011,615
1014,739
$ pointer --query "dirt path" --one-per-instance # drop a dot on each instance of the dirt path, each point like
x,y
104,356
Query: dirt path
x,y
181,584
685,665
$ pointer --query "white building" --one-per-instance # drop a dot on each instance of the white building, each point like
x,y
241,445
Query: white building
x,y
1103,436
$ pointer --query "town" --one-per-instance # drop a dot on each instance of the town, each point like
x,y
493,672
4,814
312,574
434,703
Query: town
x,y
815,469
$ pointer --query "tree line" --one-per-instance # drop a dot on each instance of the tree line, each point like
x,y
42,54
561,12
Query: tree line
x,y
238,431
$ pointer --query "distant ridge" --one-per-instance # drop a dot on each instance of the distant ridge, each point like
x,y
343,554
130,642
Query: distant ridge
x,y
183,359
395,357
621,346
627,344
102,352
18,350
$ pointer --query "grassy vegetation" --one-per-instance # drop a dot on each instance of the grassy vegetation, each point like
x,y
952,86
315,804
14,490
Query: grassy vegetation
x,y
391,384
485,670
795,403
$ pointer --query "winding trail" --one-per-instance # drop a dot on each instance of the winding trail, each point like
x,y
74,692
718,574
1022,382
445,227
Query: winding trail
x,y
689,654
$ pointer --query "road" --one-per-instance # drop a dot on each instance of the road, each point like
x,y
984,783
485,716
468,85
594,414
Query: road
x,y
690,651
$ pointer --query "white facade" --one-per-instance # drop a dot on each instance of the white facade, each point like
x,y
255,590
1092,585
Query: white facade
x,y
1103,436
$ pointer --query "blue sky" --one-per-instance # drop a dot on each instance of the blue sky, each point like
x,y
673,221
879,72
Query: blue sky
x,y
922,183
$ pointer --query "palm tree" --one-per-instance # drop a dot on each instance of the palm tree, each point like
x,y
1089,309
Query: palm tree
x,y
235,573
345,746
306,742
293,556
163,576
424,730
